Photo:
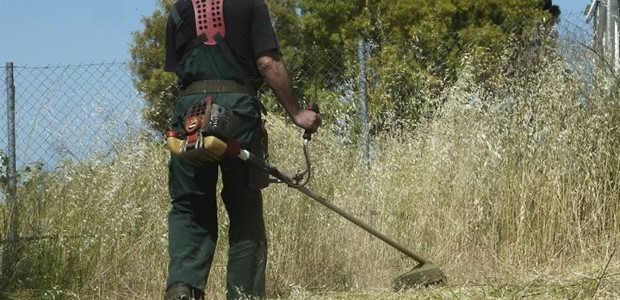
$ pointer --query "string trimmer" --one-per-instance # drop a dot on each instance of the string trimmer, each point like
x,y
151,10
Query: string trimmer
x,y
424,274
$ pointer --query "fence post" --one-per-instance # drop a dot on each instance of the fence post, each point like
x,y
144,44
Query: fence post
x,y
363,90
613,33
601,19
12,172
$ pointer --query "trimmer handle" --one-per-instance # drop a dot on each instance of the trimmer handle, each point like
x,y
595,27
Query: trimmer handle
x,y
315,108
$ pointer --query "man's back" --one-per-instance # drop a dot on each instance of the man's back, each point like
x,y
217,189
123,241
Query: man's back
x,y
248,34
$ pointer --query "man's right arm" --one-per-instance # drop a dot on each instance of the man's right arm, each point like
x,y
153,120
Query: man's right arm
x,y
276,76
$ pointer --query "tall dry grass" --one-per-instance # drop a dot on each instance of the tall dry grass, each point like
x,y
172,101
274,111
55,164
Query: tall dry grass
x,y
514,177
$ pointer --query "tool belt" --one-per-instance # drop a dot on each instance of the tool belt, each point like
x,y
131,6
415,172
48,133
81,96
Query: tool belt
x,y
216,86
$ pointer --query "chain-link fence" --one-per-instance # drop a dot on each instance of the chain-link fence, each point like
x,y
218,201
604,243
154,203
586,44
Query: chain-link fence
x,y
79,112
61,114
70,112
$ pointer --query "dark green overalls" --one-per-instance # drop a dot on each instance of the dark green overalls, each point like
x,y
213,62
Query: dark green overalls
x,y
192,219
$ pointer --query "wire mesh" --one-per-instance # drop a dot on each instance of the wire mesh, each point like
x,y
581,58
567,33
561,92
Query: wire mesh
x,y
72,113
78,112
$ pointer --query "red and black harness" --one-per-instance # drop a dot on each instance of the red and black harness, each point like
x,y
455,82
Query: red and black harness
x,y
210,28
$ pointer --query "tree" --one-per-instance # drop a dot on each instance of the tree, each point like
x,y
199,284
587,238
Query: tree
x,y
148,53
414,44
423,43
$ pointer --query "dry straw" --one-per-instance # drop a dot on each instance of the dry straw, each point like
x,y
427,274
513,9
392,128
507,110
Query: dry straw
x,y
515,180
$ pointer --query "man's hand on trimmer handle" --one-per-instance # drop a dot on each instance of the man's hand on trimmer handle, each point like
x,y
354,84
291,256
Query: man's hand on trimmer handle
x,y
308,119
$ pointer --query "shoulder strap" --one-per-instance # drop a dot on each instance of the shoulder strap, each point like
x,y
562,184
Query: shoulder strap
x,y
234,62
210,31
176,17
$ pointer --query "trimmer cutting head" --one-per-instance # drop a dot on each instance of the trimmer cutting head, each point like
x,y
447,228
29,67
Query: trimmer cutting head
x,y
423,275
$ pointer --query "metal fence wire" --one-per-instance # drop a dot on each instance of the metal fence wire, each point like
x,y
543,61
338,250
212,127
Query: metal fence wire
x,y
76,112
70,113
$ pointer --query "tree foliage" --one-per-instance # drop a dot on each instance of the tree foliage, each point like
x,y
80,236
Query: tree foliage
x,y
148,53
414,44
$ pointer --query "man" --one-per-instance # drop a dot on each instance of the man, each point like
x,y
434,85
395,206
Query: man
x,y
222,49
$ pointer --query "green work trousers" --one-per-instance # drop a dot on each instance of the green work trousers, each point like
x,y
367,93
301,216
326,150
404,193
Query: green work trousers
x,y
192,220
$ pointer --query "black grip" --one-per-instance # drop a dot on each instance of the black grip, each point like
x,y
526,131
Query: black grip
x,y
315,108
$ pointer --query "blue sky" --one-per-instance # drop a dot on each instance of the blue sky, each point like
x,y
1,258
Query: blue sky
x,y
572,6
572,9
60,32
52,32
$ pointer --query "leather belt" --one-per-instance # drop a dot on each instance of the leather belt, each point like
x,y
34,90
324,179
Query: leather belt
x,y
215,86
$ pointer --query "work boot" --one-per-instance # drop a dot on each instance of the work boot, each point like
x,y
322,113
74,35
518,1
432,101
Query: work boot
x,y
183,291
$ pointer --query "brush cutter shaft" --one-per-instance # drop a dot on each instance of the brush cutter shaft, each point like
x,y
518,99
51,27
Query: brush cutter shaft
x,y
361,224
424,274
259,163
